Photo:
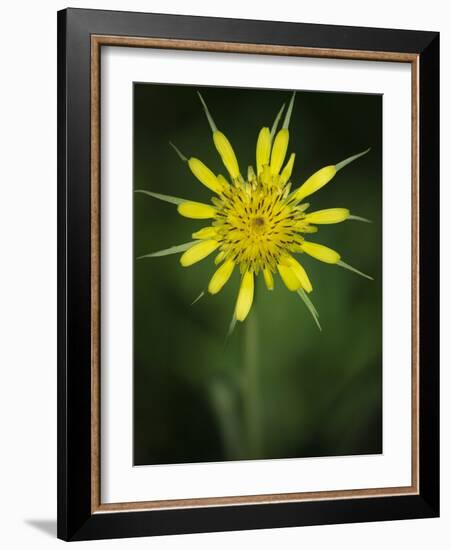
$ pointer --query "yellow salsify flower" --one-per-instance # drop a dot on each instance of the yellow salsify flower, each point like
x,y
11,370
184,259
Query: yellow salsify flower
x,y
257,224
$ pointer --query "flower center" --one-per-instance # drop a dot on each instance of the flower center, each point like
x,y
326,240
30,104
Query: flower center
x,y
258,225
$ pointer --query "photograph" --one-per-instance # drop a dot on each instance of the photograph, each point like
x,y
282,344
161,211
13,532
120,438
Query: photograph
x,y
257,274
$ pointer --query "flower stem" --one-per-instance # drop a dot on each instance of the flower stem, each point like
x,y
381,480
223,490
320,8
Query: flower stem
x,y
251,386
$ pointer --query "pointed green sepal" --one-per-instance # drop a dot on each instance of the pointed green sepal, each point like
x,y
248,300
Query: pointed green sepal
x,y
231,326
354,270
165,198
286,122
347,161
309,306
201,295
358,219
211,122
179,153
167,251
276,122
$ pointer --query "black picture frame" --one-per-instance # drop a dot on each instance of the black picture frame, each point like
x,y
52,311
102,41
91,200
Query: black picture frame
x,y
76,519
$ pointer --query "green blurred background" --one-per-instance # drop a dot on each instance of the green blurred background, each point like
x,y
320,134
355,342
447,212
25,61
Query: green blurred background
x,y
318,393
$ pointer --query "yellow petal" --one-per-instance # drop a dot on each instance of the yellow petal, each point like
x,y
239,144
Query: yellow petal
x,y
309,228
279,150
289,277
198,252
286,172
330,215
220,277
245,296
204,175
315,182
265,175
196,210
206,233
222,180
227,154
300,273
263,148
321,252
269,280
219,257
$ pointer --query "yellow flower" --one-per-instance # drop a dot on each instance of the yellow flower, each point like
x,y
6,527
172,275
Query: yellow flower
x,y
257,224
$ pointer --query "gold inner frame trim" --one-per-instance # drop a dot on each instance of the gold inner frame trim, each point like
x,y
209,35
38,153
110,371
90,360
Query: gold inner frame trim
x,y
97,41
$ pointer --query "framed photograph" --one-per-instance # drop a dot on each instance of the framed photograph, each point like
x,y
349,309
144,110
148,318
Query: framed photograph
x,y
248,274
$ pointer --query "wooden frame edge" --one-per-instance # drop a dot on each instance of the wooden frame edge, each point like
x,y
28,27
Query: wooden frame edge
x,y
95,276
110,40
415,270
249,48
